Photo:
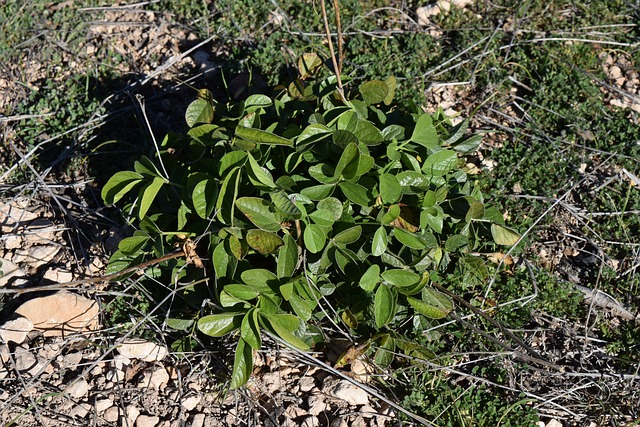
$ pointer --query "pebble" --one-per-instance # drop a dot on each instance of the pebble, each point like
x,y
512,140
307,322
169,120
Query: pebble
x,y
191,402
78,389
146,351
310,421
133,414
154,378
80,410
111,414
198,420
61,313
15,330
306,384
147,421
24,359
103,404
346,391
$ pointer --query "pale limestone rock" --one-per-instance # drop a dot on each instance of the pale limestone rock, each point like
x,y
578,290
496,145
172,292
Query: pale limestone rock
x,y
103,404
78,389
80,410
190,403
198,420
62,313
120,361
112,414
346,391
11,274
147,421
135,348
310,421
132,413
306,384
24,359
554,423
155,378
13,217
15,330
317,404
425,12
59,276
37,256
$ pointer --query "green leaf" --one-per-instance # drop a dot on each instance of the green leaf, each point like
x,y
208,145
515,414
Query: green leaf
x,y
283,332
259,212
132,245
242,365
242,292
413,182
356,193
309,64
199,111
385,352
258,100
312,133
425,133
262,280
409,239
217,325
390,189
261,137
384,306
434,304
120,260
391,85
249,329
180,324
457,132
231,160
285,206
468,145
370,278
322,217
314,238
260,174
504,235
379,242
391,215
440,163
318,192
367,133
287,257
348,236
348,164
227,197
455,242
204,197
119,185
374,91
331,204
400,277
149,194
342,137
263,241
301,307
476,211
433,218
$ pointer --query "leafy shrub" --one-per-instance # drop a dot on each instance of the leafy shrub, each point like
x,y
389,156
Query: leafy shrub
x,y
310,207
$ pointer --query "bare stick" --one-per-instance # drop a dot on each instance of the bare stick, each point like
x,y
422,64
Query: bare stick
x,y
333,54
336,7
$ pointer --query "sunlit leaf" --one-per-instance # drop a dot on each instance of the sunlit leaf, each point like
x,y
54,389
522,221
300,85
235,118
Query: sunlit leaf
x,y
384,306
263,241
242,365
504,235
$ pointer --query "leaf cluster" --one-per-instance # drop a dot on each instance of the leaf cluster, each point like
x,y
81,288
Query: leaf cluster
x,y
303,203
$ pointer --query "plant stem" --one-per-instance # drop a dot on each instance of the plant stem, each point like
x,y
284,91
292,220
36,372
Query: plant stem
x,y
336,67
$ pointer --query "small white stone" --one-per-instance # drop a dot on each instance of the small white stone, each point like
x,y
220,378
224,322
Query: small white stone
x,y
24,359
115,375
154,379
191,402
198,420
147,421
316,404
16,330
103,404
112,414
425,12
80,410
78,389
554,423
132,413
120,361
11,274
310,421
346,391
146,351
306,384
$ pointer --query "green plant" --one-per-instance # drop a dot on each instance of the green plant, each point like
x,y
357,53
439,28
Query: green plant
x,y
301,199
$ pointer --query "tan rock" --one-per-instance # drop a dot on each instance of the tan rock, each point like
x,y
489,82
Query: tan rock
x,y
135,348
103,404
78,389
11,274
62,313
37,256
198,420
132,413
15,330
346,391
12,217
191,402
147,421
155,378
112,414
